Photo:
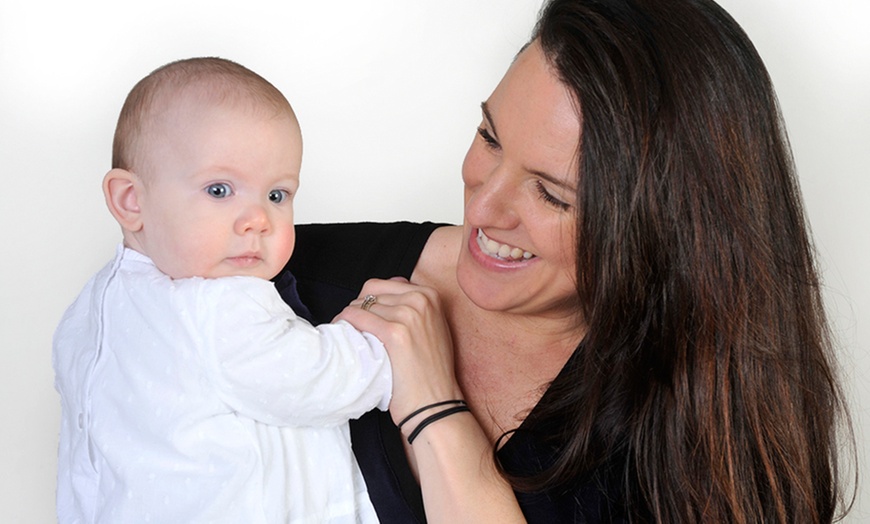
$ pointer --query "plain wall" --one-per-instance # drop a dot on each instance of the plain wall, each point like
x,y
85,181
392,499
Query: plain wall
x,y
387,93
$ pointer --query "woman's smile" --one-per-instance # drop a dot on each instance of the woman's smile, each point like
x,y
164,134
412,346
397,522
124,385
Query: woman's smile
x,y
502,251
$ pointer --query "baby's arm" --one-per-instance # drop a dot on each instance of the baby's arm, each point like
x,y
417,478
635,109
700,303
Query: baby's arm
x,y
268,364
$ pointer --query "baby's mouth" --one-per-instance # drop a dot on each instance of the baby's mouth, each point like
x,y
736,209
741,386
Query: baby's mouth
x,y
498,250
246,259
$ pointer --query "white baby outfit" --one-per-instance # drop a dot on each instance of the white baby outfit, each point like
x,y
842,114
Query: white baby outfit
x,y
208,400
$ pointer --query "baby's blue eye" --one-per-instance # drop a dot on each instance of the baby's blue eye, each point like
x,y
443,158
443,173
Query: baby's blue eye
x,y
219,190
277,196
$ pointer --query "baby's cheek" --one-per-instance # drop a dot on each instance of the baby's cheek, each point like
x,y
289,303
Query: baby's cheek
x,y
285,242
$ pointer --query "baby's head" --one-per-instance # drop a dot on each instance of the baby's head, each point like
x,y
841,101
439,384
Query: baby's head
x,y
205,165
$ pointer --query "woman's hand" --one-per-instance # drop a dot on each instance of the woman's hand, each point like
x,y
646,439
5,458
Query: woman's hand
x,y
410,322
459,480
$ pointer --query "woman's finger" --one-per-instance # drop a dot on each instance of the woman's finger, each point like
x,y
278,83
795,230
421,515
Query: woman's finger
x,y
409,320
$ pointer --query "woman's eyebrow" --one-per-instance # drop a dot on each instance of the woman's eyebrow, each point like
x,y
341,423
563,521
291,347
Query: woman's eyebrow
x,y
488,116
553,180
546,176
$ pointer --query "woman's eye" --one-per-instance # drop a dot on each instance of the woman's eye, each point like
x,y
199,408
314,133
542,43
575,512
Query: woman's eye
x,y
277,196
550,199
488,138
219,190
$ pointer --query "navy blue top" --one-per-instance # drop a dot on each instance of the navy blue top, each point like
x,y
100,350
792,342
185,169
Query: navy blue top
x,y
331,262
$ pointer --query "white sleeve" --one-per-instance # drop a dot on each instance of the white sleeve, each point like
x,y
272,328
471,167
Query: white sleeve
x,y
270,365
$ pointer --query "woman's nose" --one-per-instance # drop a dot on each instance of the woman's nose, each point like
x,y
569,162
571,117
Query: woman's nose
x,y
490,198
254,219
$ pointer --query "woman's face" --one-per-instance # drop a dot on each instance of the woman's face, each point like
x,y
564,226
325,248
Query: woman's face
x,y
520,181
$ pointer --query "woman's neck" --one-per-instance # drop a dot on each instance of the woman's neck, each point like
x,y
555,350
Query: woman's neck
x,y
504,361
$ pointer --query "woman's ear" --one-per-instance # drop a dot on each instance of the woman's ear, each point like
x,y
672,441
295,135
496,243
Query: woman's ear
x,y
121,189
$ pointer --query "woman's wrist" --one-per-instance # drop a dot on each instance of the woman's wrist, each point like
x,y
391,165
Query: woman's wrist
x,y
435,418
414,423
459,480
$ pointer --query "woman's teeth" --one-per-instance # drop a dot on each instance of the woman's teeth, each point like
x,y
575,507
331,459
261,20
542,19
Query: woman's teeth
x,y
493,248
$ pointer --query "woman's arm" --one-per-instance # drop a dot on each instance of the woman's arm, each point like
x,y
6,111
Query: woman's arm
x,y
457,475
454,458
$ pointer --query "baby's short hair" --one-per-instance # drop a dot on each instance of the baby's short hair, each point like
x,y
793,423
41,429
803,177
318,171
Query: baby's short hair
x,y
217,78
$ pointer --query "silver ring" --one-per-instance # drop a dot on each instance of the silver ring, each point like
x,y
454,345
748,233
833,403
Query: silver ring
x,y
368,302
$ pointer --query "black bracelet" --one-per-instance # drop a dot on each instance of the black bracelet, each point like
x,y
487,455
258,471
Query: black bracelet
x,y
432,418
430,406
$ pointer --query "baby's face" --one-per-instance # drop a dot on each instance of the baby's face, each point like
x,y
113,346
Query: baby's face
x,y
218,192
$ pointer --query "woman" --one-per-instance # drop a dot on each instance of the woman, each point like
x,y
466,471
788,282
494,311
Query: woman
x,y
632,301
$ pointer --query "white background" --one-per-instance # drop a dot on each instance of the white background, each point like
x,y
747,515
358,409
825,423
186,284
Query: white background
x,y
388,96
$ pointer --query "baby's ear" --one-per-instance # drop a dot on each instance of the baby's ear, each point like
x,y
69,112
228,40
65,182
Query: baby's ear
x,y
121,189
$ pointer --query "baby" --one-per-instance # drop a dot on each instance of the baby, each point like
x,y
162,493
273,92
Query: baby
x,y
190,391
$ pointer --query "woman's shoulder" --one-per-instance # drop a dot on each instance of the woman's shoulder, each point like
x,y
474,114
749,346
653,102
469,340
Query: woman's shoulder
x,y
363,231
331,262
437,261
365,249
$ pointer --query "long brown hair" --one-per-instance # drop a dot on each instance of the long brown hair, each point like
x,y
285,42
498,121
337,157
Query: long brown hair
x,y
708,364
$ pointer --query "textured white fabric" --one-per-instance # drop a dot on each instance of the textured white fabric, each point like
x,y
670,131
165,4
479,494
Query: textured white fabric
x,y
208,400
